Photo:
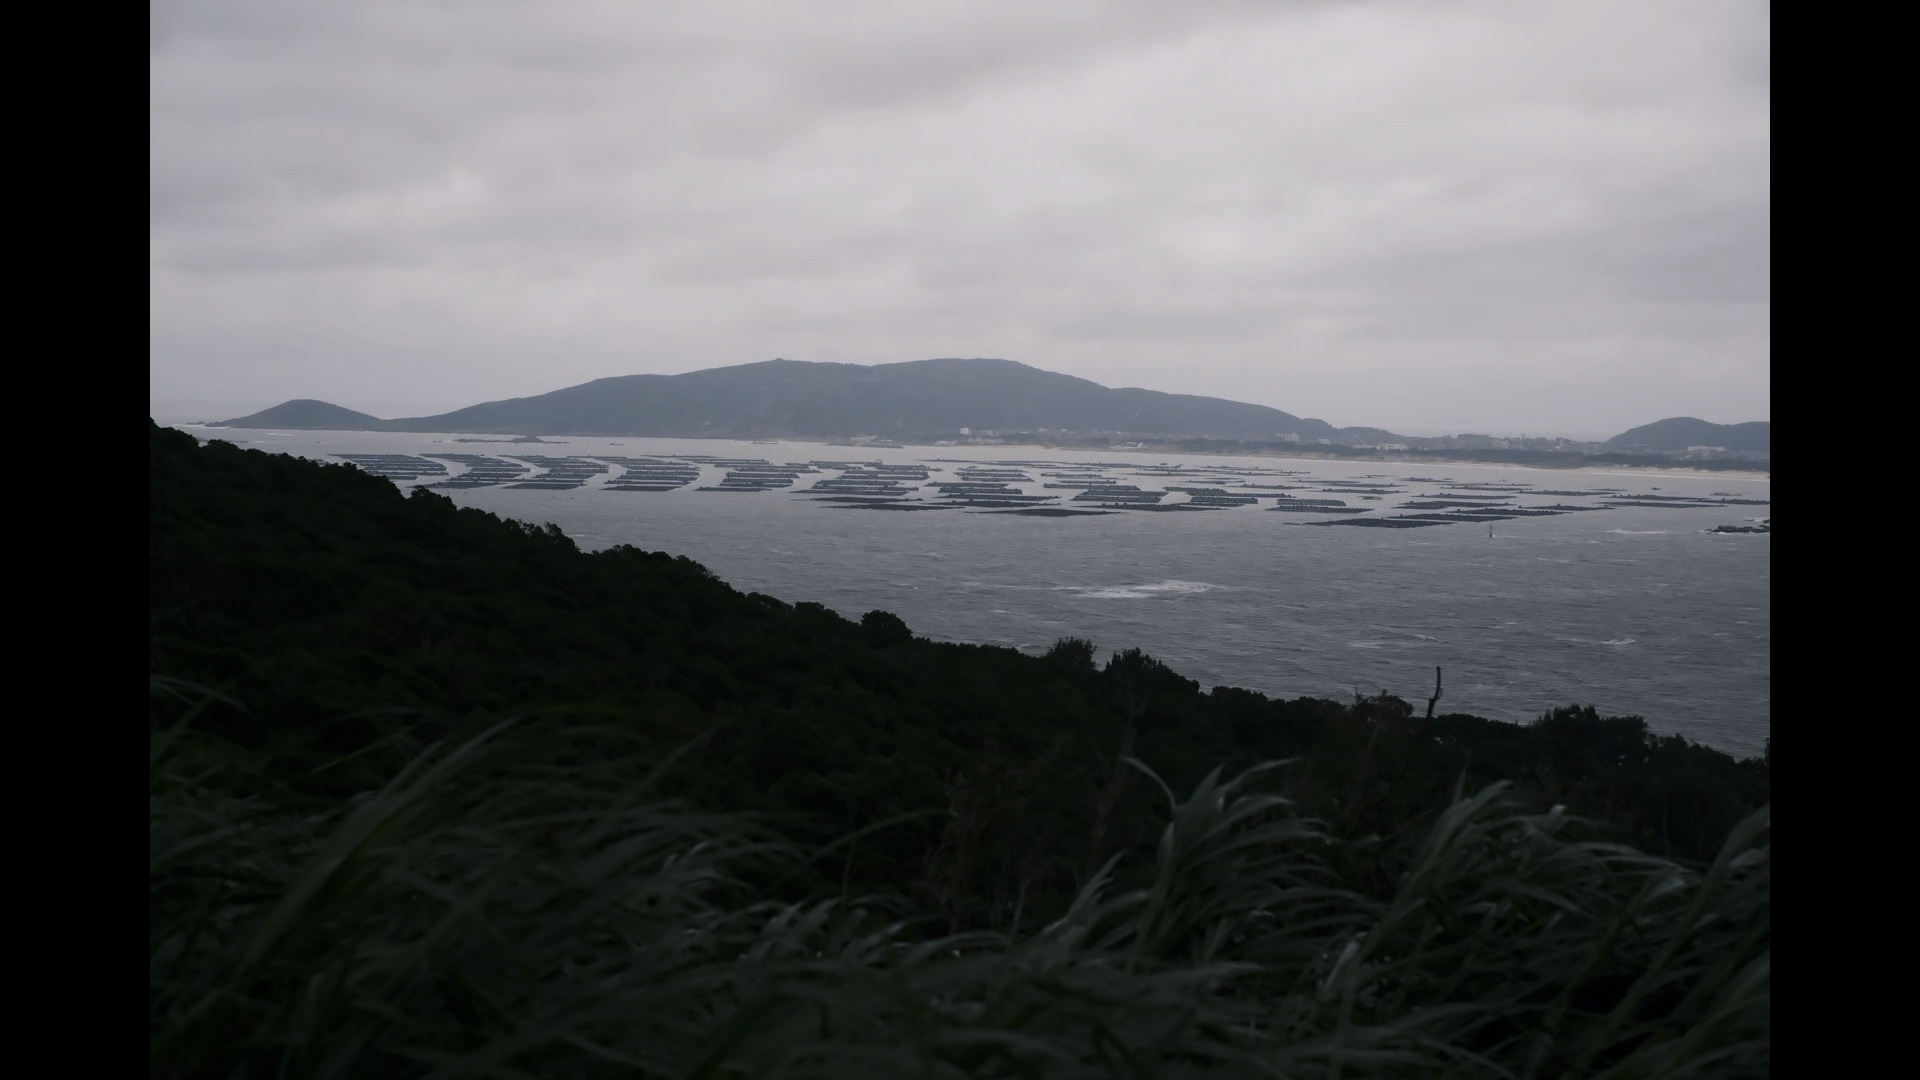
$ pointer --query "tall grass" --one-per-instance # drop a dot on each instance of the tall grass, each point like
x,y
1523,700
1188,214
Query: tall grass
x,y
488,912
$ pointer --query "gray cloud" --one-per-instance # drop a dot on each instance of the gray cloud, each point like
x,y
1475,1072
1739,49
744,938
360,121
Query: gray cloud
x,y
1430,216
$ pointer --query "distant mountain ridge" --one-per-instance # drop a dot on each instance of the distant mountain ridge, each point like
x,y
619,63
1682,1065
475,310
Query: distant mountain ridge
x,y
794,398
929,400
1679,433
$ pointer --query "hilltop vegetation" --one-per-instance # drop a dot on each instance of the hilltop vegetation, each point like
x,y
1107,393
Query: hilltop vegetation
x,y
435,790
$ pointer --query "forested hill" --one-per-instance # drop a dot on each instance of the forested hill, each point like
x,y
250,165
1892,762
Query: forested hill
x,y
1681,432
925,399
306,414
431,790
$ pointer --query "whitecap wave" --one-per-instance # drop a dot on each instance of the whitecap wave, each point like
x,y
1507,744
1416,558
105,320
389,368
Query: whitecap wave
x,y
1141,592
1619,642
1638,532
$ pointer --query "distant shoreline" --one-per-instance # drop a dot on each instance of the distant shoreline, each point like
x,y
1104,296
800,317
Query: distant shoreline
x,y
1356,456
1434,457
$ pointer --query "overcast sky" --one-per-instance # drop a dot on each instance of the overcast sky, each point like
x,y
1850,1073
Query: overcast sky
x,y
1431,216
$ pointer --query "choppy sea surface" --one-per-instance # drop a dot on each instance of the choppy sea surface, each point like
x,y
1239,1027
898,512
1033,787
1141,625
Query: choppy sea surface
x,y
1629,604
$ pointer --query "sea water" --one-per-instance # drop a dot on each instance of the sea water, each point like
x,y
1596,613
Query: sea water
x,y
1634,610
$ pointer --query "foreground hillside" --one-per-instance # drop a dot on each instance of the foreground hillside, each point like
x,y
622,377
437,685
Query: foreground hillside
x,y
434,790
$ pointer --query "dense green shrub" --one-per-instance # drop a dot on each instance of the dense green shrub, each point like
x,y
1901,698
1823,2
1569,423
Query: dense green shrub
x,y
482,914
